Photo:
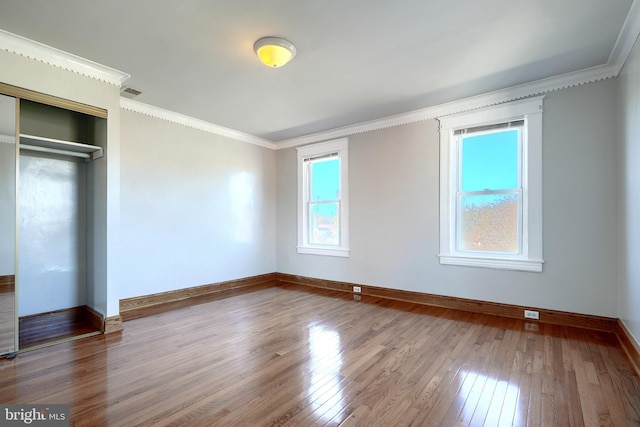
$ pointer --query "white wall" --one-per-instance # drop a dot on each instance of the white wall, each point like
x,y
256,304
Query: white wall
x,y
394,222
52,225
629,84
196,208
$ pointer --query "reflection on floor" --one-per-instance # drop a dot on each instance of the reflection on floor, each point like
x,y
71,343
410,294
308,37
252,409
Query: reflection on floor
x,y
46,328
326,363
290,355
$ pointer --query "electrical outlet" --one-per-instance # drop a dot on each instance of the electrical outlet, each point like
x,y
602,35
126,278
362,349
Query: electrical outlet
x,y
357,289
530,314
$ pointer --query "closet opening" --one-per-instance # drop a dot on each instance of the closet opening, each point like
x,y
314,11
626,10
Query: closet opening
x,y
58,153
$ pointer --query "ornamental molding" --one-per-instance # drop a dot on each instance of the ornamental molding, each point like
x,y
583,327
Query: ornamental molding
x,y
540,87
627,38
190,122
7,139
513,93
22,46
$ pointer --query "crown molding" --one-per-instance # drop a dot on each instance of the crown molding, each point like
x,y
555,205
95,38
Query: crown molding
x,y
7,139
181,119
513,93
621,51
627,38
22,46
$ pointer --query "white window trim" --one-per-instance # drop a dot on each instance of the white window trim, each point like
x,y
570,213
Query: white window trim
x,y
341,147
531,257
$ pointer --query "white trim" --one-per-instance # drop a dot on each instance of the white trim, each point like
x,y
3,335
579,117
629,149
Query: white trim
x,y
22,46
627,38
322,251
503,112
190,122
324,148
7,139
539,87
530,258
340,146
534,266
468,104
523,91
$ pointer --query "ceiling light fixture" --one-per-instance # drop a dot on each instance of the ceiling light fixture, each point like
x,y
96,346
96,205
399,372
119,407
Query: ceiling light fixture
x,y
274,52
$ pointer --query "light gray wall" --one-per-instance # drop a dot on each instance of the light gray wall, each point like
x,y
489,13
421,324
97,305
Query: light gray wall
x,y
629,303
394,222
52,227
196,208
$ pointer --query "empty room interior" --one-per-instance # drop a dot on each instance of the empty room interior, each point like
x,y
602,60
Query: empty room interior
x,y
333,213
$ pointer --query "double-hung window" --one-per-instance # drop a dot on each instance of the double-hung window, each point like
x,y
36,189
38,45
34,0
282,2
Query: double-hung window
x,y
491,187
323,203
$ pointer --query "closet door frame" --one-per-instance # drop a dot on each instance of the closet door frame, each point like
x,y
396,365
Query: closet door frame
x,y
9,340
54,101
20,93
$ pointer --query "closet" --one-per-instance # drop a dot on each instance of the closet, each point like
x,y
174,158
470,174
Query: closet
x,y
47,177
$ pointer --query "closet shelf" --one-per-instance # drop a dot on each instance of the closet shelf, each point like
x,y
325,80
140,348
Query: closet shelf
x,y
57,146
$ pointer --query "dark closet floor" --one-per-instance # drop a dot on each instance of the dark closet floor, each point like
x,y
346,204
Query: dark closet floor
x,y
62,325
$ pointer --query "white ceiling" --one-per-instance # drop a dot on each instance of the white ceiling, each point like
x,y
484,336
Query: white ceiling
x,y
357,60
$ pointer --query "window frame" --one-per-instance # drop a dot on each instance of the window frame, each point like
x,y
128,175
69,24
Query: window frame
x,y
529,257
339,148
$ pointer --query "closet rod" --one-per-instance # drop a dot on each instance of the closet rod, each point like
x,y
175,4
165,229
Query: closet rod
x,y
55,151
57,146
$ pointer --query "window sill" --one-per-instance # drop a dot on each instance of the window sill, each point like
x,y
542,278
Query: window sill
x,y
339,252
534,266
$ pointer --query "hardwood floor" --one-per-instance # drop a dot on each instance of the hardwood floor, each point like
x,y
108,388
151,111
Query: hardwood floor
x,y
7,314
298,356
61,325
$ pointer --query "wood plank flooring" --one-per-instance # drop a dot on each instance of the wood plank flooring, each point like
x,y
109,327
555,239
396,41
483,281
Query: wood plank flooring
x,y
295,356
43,328
7,315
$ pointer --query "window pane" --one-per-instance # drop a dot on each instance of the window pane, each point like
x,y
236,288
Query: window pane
x,y
324,224
490,161
490,223
325,180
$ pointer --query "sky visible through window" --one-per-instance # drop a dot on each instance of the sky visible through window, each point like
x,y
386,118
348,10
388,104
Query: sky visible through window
x,y
325,187
325,180
489,163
